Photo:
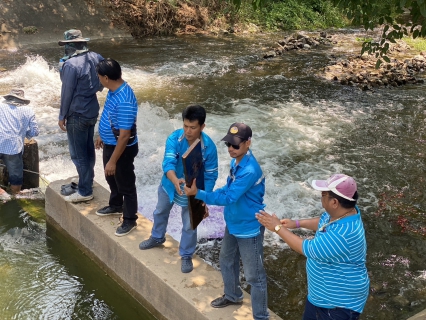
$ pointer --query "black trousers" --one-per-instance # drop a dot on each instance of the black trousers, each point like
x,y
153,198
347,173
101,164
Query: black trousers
x,y
123,183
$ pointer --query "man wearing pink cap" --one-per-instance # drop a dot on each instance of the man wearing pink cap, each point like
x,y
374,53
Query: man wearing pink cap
x,y
338,282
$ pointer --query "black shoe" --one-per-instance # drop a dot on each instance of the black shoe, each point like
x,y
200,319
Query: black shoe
x,y
68,190
125,228
222,302
108,210
151,243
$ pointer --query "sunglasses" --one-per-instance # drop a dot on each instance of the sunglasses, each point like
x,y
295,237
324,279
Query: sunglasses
x,y
236,147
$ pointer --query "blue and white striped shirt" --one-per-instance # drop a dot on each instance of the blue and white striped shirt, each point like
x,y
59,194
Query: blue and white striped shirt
x,y
335,266
120,112
16,123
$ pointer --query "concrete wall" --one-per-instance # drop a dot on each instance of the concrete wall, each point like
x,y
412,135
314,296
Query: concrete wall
x,y
52,18
152,276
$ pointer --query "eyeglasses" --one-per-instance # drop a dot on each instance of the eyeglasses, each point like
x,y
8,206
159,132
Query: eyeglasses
x,y
236,147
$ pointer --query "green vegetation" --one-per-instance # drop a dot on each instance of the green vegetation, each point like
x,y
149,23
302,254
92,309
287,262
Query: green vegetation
x,y
364,39
418,44
399,18
292,15
30,30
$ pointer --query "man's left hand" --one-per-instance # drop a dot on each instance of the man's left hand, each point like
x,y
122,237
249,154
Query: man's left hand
x,y
268,220
62,125
110,168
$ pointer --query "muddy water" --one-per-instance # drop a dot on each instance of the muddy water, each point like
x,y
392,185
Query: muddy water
x,y
304,128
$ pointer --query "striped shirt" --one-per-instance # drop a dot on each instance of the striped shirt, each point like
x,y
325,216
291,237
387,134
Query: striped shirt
x,y
335,266
16,123
120,112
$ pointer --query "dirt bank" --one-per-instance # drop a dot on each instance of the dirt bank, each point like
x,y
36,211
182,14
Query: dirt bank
x,y
37,21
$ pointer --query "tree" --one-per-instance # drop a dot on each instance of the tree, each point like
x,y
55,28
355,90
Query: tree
x,y
397,17
384,13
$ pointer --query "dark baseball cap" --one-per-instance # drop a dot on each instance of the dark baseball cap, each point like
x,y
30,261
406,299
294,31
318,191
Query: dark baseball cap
x,y
237,133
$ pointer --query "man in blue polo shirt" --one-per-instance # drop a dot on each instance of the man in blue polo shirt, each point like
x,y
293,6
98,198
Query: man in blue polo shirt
x,y
117,137
242,197
338,282
170,190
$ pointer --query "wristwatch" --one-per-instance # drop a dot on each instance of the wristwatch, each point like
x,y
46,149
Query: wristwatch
x,y
278,227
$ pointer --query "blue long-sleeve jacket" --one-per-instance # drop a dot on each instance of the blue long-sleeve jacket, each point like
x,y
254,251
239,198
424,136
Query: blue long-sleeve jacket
x,y
80,83
176,146
242,197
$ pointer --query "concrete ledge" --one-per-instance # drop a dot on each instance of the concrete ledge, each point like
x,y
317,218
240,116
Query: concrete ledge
x,y
153,276
419,316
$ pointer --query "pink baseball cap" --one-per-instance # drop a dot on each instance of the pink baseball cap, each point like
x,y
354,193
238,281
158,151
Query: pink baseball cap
x,y
338,183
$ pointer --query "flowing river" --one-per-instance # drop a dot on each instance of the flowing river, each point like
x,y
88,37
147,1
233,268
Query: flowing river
x,y
304,128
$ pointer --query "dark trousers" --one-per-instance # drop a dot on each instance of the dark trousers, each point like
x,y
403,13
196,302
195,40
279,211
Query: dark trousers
x,y
123,183
317,313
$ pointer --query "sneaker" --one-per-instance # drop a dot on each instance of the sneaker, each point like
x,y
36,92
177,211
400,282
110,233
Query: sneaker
x,y
108,210
186,265
151,243
76,197
4,196
222,302
68,190
125,228
70,185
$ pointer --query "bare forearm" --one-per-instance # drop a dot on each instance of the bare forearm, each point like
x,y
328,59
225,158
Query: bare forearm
x,y
293,241
171,175
311,224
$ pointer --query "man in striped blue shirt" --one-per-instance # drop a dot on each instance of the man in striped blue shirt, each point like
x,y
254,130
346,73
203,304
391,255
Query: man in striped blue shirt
x,y
17,122
117,137
170,190
338,282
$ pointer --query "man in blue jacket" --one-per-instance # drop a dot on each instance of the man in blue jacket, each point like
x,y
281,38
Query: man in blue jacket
x,y
79,109
242,197
171,188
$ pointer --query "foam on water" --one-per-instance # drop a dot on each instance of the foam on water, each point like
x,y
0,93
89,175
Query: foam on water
x,y
290,140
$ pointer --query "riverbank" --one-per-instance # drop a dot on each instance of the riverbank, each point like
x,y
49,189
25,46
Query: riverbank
x,y
43,21
348,67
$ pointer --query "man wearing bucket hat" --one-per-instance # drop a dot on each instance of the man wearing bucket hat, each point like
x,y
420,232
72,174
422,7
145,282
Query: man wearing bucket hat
x,y
79,110
17,122
338,282
242,197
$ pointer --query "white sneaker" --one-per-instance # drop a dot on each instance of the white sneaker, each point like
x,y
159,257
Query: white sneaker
x,y
4,196
76,197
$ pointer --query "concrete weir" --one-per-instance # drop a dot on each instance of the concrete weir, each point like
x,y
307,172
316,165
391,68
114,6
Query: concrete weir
x,y
153,276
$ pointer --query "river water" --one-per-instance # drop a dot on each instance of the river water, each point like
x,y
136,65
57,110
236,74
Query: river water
x,y
304,128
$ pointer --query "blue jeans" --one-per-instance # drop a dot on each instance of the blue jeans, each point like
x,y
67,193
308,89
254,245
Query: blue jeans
x,y
15,167
313,312
251,252
80,132
188,240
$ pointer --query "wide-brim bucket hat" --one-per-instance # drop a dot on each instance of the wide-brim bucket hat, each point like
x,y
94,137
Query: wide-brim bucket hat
x,y
72,35
17,95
